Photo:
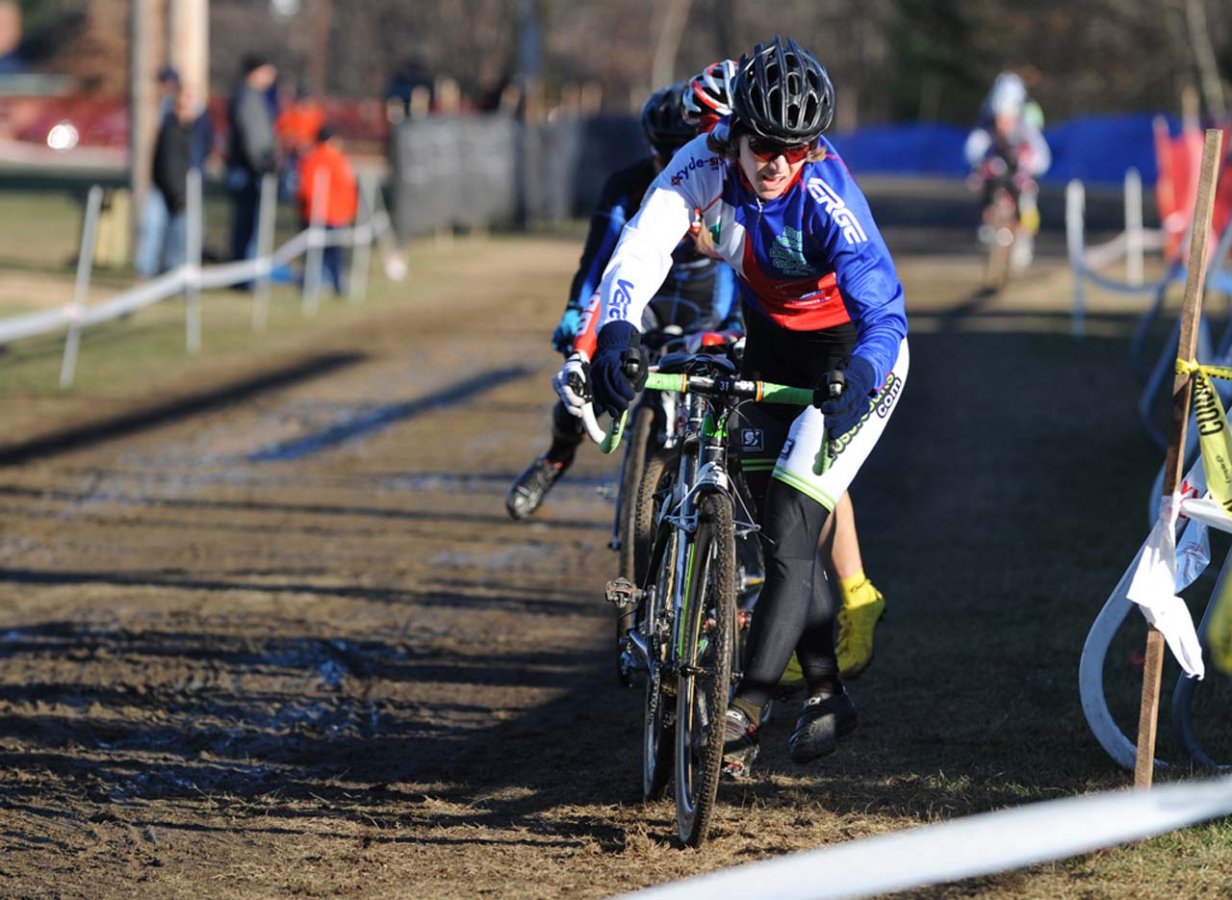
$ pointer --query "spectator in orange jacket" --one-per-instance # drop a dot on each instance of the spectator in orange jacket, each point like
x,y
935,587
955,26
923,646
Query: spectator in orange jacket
x,y
297,127
340,200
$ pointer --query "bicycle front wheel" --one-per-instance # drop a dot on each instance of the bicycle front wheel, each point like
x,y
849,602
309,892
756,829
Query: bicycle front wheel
x,y
706,636
1004,220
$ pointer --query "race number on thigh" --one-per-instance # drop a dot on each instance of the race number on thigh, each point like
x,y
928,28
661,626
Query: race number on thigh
x,y
796,460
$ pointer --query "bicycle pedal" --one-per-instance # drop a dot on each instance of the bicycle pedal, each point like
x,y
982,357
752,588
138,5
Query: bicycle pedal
x,y
622,593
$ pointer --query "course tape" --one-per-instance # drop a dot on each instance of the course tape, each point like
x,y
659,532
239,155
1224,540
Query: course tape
x,y
1216,443
173,283
963,848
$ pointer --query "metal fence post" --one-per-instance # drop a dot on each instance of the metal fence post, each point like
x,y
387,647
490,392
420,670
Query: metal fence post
x,y
85,264
192,282
266,212
1134,238
316,242
1075,203
361,251
395,266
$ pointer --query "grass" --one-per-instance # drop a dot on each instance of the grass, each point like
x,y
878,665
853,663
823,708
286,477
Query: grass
x,y
143,354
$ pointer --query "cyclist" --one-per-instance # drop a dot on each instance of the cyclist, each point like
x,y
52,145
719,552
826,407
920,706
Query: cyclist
x,y
1007,150
707,285
820,293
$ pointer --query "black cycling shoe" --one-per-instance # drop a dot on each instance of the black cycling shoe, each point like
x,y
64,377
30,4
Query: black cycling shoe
x,y
528,489
823,720
740,743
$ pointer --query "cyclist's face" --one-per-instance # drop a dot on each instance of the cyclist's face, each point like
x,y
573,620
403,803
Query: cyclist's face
x,y
770,173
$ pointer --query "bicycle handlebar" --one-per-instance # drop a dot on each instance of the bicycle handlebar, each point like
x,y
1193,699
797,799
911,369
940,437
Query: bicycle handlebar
x,y
758,391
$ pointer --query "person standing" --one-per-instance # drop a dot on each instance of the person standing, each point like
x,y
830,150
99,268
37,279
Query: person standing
x,y
253,151
151,241
176,154
326,162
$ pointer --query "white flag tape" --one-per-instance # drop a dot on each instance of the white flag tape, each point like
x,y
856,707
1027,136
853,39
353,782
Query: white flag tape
x,y
963,848
1154,588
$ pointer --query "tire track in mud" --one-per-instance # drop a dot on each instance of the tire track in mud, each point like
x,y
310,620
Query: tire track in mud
x,y
213,624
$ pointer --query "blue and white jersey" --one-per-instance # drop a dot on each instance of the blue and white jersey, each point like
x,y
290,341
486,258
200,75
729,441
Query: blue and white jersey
x,y
810,259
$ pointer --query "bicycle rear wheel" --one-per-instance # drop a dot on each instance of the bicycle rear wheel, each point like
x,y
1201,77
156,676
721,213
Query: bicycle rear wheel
x,y
636,452
655,476
704,659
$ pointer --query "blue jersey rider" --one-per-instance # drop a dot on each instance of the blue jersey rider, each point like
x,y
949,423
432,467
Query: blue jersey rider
x,y
820,293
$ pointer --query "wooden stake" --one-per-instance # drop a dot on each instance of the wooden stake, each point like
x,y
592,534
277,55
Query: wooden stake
x,y
1191,315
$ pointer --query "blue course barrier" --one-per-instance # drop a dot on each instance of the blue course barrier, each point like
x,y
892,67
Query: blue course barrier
x,y
1095,149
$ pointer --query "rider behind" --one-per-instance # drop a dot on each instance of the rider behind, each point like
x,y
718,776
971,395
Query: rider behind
x,y
706,286
820,294
1007,148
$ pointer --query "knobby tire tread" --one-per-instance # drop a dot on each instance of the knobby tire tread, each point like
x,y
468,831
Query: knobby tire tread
x,y
657,762
715,529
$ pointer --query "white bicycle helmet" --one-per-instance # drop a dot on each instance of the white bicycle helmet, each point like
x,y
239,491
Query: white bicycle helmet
x,y
708,94
1008,95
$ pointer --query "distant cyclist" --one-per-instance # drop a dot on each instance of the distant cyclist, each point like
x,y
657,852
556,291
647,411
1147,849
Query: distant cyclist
x,y
1007,150
697,288
820,294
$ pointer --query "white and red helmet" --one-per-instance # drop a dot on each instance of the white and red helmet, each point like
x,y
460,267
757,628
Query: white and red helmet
x,y
708,94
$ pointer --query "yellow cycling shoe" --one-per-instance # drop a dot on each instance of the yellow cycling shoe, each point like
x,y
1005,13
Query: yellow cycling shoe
x,y
863,607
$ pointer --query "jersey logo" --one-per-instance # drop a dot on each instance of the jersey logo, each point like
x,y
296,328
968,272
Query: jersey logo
x,y
620,300
838,210
888,395
752,439
787,253
712,163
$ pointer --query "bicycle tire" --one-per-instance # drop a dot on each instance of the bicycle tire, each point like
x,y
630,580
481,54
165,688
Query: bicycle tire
x,y
636,451
659,714
1004,220
645,509
704,667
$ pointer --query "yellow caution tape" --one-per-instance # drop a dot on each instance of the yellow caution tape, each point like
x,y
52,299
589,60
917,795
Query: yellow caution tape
x,y
1219,629
1213,436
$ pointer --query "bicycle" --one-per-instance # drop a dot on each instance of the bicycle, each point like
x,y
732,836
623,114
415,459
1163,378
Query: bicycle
x,y
1000,217
646,433
685,631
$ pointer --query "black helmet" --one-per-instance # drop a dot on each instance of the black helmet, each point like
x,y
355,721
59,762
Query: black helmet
x,y
783,93
663,121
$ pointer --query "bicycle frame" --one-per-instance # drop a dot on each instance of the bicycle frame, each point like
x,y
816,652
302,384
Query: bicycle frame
x,y
700,437
685,633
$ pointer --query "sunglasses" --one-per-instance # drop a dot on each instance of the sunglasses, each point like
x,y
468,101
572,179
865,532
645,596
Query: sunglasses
x,y
766,150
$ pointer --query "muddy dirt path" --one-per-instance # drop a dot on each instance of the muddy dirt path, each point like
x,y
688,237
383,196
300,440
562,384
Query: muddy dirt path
x,y
291,644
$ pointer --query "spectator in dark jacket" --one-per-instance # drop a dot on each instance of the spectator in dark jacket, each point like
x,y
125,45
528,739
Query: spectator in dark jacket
x,y
175,154
253,151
